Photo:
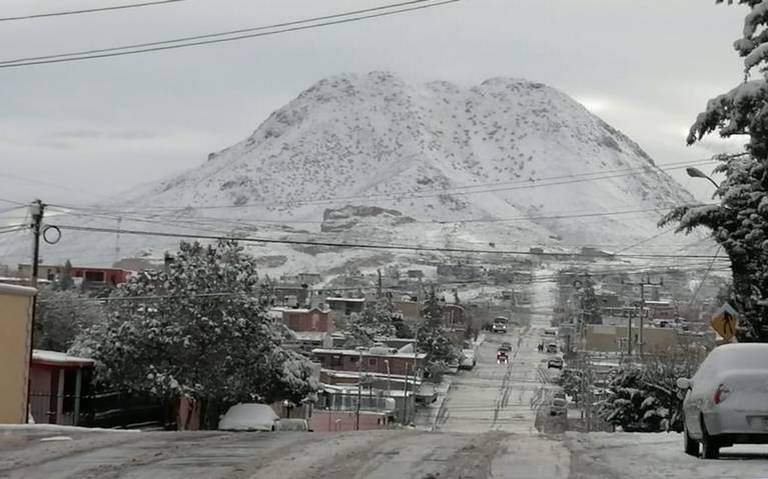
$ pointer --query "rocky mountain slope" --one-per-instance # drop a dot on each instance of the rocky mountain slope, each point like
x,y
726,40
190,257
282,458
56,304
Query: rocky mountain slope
x,y
371,158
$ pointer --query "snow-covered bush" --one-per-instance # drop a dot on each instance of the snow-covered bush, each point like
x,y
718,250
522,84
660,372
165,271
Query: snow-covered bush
x,y
644,397
198,329
739,223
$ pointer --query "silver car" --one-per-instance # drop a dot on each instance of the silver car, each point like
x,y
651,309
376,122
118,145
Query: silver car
x,y
727,400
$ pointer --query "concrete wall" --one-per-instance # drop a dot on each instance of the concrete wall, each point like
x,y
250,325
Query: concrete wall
x,y
15,337
335,421
601,338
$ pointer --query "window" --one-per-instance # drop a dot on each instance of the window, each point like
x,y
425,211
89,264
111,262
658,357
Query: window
x,y
353,359
94,276
336,360
372,362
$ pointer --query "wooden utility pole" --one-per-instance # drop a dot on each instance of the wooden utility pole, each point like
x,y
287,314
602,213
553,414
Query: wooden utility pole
x,y
36,211
643,284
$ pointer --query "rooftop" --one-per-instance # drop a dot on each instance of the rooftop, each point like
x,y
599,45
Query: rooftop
x,y
354,352
56,358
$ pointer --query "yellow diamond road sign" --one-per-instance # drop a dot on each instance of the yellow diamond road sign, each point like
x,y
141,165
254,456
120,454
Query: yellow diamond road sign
x,y
724,321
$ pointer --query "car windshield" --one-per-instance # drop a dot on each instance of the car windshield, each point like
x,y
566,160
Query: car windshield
x,y
383,239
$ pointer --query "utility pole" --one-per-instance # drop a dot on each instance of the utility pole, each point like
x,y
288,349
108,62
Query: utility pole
x,y
359,388
36,211
379,288
646,282
629,335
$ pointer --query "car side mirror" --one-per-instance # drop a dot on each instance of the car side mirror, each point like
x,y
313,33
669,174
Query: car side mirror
x,y
684,383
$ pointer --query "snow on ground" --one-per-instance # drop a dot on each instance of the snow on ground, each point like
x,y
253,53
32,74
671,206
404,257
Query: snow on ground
x,y
641,456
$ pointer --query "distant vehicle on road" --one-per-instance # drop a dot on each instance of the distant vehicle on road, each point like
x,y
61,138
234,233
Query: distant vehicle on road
x,y
499,328
550,332
502,357
552,348
556,363
726,402
506,345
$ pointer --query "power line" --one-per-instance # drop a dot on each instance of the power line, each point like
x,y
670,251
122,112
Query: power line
x,y
174,44
88,10
398,195
360,245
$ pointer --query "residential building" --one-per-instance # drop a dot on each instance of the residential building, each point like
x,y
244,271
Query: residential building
x,y
15,321
375,360
57,386
94,276
410,310
305,320
601,338
346,306
48,272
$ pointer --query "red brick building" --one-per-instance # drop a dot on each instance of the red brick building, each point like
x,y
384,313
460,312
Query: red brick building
x,y
98,276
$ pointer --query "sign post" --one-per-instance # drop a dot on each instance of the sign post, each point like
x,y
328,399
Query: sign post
x,y
724,322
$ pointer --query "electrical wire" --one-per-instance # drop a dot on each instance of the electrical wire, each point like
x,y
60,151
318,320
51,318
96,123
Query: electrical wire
x,y
248,239
399,195
88,10
299,25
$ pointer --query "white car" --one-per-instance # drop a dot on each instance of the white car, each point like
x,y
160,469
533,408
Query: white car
x,y
468,359
249,417
727,400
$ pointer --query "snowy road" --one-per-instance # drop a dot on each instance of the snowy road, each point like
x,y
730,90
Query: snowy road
x,y
485,431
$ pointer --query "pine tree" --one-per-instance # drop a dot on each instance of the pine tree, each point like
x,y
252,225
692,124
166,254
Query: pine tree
x,y
206,335
433,338
65,281
589,303
739,223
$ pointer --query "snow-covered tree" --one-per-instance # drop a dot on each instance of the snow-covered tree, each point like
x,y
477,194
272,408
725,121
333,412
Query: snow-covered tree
x,y
433,338
65,281
589,303
198,329
376,320
740,222
61,316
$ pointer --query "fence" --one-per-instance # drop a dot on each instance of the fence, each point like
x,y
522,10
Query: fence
x,y
108,409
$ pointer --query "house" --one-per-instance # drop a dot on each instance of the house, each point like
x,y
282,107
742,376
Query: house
x,y
309,278
15,321
309,340
337,410
374,360
94,277
305,320
607,339
58,383
410,310
48,272
346,306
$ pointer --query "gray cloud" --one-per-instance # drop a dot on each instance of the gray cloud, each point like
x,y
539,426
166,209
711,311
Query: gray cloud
x,y
105,125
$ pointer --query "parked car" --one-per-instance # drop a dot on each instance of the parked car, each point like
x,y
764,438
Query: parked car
x,y
555,363
249,417
558,407
292,425
506,345
726,402
552,348
468,359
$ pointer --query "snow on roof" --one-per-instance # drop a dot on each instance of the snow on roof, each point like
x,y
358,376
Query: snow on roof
x,y
42,356
354,352
348,300
355,374
309,335
17,290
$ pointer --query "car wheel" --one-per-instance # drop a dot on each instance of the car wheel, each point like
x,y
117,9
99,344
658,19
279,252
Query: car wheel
x,y
691,444
710,449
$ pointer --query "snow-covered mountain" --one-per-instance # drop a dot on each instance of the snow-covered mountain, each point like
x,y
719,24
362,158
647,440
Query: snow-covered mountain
x,y
371,158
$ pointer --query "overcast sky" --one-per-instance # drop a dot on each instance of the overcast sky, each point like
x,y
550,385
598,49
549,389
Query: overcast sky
x,y
86,130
